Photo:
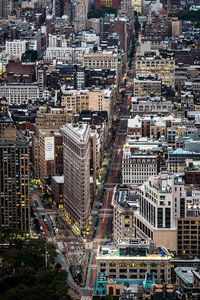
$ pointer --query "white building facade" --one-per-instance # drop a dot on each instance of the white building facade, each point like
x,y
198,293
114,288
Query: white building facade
x,y
16,48
137,167
18,93
162,201
68,54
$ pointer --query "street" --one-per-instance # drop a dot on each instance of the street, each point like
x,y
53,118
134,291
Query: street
x,y
104,232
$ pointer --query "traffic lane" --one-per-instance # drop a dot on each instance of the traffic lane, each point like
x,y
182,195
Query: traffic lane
x,y
49,232
105,226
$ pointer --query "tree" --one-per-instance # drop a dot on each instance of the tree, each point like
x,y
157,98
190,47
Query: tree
x,y
98,13
24,276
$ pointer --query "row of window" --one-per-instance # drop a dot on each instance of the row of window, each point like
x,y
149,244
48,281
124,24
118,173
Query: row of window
x,y
133,265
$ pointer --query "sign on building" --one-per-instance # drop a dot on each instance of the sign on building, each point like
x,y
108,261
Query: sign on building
x,y
49,148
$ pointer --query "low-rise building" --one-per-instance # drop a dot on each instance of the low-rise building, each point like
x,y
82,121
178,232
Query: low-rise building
x,y
150,105
94,100
137,167
16,48
151,126
124,204
132,259
178,131
146,86
101,60
18,93
127,288
157,66
184,276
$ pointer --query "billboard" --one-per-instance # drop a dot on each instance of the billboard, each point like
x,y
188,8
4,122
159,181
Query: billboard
x,y
49,148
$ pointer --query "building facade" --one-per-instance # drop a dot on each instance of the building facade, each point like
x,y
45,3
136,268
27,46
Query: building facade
x,y
76,174
18,93
14,181
162,201
66,54
101,60
137,167
124,204
162,68
131,259
47,153
145,87
16,48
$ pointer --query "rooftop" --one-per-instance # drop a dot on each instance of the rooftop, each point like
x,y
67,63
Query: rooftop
x,y
186,274
132,249
58,179
126,199
78,131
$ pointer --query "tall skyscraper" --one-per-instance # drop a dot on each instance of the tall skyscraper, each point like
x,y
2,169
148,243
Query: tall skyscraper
x,y
14,177
76,174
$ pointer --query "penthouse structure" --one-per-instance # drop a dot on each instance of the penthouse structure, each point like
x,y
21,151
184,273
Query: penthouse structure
x,y
76,153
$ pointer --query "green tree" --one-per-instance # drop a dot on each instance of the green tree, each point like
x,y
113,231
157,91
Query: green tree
x,y
98,13
25,276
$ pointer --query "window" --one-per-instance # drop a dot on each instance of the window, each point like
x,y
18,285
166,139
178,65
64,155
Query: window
x,y
133,265
167,217
160,217
103,264
123,265
112,264
112,270
143,265
143,270
122,270
102,270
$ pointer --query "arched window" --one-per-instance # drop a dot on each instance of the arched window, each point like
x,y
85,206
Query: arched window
x,y
110,290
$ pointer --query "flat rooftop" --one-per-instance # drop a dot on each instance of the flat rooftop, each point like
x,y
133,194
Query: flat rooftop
x,y
125,199
186,274
77,131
